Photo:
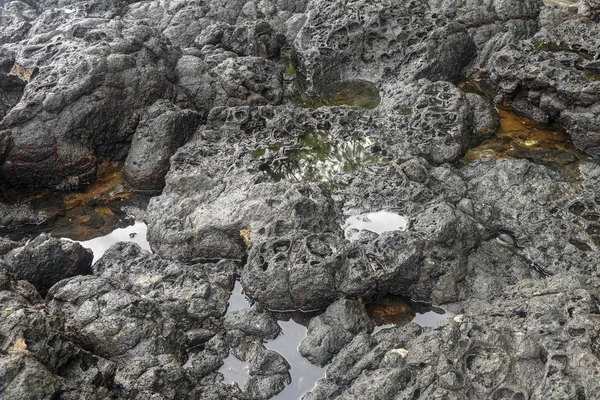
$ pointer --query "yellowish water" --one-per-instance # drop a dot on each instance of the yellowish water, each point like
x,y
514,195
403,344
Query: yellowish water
x,y
519,137
87,214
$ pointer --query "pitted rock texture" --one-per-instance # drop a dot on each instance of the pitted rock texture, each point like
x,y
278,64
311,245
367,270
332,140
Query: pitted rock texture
x,y
83,74
234,205
92,74
375,41
552,324
554,74
551,220
493,24
263,127
427,119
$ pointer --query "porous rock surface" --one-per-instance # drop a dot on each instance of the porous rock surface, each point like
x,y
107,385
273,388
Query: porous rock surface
x,y
525,344
46,260
207,104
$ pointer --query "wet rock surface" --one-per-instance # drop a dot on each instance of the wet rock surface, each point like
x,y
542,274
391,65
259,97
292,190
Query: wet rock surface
x,y
553,75
329,332
45,261
475,355
162,130
275,137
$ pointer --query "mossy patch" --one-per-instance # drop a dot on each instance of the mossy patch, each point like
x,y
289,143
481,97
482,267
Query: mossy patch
x,y
318,157
562,46
288,65
355,93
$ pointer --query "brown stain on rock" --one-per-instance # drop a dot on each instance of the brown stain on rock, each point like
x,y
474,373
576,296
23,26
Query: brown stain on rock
x,y
21,72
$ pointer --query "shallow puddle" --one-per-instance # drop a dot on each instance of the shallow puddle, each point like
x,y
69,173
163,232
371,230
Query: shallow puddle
x,y
237,300
318,157
559,3
136,233
386,312
378,222
392,311
234,371
293,331
304,374
352,93
519,137
96,211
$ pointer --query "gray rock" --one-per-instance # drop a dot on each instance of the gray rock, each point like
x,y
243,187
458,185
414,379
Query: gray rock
x,y
247,203
111,322
552,325
253,321
194,296
557,65
268,373
12,89
83,101
18,372
45,261
162,130
359,40
329,332
485,118
589,8
33,351
428,119
549,219
248,81
253,38
493,24
263,187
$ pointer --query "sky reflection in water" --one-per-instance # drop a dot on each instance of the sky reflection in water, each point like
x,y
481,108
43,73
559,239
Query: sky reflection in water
x,y
135,233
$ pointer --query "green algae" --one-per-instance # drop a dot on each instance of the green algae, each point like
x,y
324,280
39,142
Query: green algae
x,y
352,93
553,47
261,151
288,65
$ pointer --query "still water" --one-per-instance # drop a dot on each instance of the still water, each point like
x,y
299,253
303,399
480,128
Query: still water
x,y
135,233
385,313
378,222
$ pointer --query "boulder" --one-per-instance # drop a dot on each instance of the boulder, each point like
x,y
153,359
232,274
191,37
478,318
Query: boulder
x,y
45,261
162,130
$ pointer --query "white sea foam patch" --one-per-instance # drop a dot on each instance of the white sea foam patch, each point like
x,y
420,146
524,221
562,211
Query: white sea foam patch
x,y
378,222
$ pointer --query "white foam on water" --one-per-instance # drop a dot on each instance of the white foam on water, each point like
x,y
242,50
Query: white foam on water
x,y
377,222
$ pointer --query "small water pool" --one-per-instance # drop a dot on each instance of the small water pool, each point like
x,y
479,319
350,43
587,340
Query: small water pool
x,y
135,233
304,375
377,222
